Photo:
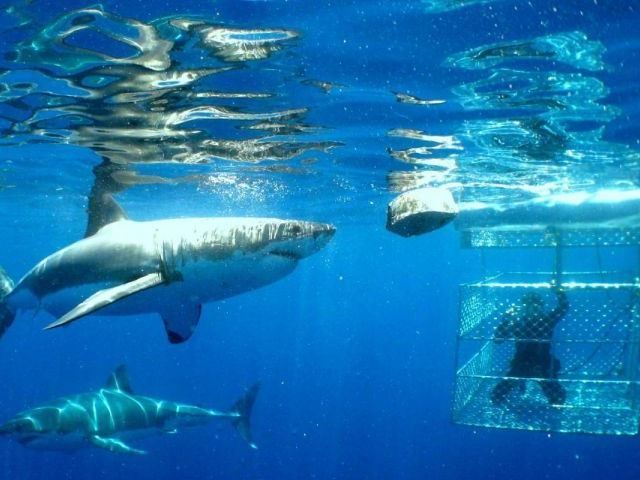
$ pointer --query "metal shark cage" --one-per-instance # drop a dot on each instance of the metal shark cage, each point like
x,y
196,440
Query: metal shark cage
x,y
596,345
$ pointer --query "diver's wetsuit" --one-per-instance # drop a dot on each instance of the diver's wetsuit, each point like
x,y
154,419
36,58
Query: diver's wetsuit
x,y
533,357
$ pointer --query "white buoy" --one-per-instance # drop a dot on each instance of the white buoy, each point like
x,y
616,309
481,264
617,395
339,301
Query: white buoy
x,y
420,211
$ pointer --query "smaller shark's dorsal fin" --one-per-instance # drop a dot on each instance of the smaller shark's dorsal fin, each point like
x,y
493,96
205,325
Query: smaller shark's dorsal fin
x,y
119,380
102,210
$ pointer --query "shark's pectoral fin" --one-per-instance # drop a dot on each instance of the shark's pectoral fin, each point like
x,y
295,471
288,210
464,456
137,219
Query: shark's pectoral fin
x,y
114,445
108,296
181,322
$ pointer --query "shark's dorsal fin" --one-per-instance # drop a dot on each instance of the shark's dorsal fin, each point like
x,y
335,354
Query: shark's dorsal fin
x,y
102,210
119,380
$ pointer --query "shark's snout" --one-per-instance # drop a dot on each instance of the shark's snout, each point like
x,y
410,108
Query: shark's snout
x,y
323,234
302,239
18,426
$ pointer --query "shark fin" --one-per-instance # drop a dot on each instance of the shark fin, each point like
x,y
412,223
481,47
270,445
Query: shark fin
x,y
102,210
119,380
114,445
181,322
108,296
7,316
242,408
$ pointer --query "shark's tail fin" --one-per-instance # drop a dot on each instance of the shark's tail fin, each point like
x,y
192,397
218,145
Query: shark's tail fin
x,y
6,314
243,407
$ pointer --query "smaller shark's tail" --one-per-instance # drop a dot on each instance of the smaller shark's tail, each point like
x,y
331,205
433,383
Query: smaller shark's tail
x,y
243,407
6,314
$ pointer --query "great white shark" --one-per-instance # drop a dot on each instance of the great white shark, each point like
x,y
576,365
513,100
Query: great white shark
x,y
170,266
107,417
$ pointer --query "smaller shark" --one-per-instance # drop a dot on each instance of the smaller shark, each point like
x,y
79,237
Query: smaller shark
x,y
105,417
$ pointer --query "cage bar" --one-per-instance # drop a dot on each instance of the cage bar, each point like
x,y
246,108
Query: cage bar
x,y
540,236
596,343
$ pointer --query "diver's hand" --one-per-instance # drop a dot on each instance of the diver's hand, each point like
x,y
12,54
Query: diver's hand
x,y
556,286
563,302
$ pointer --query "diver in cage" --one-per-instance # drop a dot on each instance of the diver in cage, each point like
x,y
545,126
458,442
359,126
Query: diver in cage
x,y
532,328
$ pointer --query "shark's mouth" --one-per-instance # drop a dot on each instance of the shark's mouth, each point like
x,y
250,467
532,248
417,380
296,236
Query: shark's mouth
x,y
286,254
27,439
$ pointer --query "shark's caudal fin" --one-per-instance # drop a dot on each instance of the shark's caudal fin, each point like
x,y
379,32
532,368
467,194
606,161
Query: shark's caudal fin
x,y
6,314
243,407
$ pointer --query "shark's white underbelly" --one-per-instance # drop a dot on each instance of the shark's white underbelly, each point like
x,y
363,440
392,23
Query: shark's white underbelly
x,y
199,282
69,442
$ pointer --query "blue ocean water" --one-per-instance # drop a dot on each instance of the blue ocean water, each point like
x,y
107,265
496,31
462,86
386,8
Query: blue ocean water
x,y
354,102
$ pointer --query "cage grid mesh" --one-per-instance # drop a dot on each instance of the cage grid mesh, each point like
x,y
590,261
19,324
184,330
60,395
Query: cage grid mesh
x,y
596,344
500,237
